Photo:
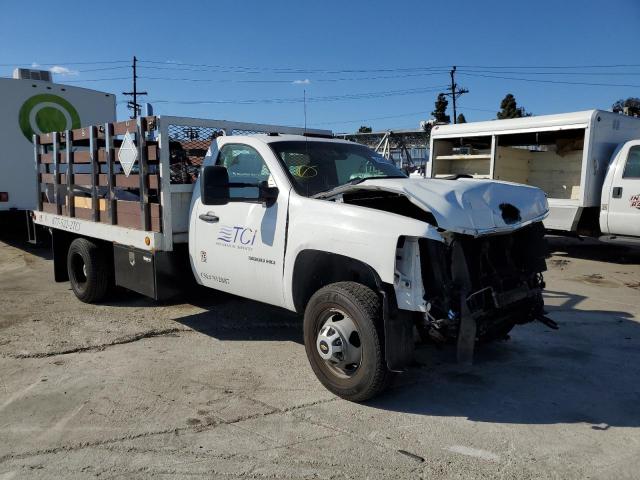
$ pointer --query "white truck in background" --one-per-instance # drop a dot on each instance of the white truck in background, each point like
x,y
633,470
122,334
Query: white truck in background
x,y
296,219
31,103
588,164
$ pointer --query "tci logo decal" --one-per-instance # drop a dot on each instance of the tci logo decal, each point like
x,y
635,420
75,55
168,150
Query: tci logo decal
x,y
237,235
635,201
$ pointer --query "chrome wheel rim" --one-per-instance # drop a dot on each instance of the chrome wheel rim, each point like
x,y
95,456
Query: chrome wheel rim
x,y
338,343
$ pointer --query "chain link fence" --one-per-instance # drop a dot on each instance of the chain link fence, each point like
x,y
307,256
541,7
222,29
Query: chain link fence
x,y
188,145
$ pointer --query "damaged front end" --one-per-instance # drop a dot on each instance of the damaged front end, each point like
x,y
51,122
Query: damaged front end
x,y
474,288
483,273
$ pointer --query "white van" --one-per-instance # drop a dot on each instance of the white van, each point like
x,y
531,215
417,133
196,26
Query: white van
x,y
588,164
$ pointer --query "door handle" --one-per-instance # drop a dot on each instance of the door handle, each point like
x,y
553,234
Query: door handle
x,y
617,192
208,217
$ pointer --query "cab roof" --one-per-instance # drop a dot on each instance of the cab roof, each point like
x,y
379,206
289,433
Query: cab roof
x,y
273,138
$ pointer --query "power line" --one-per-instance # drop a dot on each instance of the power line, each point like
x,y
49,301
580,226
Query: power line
x,y
169,65
97,79
373,118
288,81
479,109
562,82
102,69
550,73
330,98
549,67
62,63
179,65
284,70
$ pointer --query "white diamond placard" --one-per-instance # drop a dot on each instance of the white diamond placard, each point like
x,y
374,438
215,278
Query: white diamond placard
x,y
128,154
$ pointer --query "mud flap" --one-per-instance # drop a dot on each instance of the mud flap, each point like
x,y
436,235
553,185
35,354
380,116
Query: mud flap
x,y
466,334
398,336
60,242
468,327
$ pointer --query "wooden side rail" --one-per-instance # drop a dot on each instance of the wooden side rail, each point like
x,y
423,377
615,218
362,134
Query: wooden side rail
x,y
78,174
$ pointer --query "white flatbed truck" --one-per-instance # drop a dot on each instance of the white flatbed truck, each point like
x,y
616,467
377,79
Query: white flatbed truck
x,y
588,163
297,219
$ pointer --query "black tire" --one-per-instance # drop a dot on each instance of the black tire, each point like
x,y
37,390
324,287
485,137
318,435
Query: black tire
x,y
88,270
362,305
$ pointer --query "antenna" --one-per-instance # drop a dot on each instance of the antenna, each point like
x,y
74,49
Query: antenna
x,y
304,101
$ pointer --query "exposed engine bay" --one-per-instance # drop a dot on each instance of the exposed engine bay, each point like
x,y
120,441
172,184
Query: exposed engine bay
x,y
391,202
495,280
467,288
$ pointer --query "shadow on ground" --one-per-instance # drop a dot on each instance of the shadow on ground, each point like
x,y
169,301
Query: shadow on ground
x,y
591,249
13,232
586,372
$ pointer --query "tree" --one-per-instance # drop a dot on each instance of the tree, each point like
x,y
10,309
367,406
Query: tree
x,y
509,108
630,106
461,118
364,129
440,109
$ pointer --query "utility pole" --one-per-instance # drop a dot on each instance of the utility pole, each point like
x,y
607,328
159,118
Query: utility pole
x,y
134,105
455,92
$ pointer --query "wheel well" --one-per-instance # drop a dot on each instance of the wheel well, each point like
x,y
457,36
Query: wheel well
x,y
315,269
60,242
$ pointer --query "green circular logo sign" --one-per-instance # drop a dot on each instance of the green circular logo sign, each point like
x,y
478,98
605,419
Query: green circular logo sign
x,y
47,113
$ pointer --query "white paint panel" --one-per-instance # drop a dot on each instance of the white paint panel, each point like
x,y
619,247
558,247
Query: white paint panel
x,y
103,231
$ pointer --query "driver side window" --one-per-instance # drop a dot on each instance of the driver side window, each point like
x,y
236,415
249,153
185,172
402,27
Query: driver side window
x,y
632,167
244,165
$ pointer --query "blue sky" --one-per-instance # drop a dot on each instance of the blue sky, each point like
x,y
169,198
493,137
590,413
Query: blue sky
x,y
360,62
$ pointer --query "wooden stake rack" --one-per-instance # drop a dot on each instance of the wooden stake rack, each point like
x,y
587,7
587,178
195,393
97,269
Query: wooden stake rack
x,y
79,175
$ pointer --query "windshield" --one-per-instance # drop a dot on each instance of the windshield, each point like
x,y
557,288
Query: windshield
x,y
317,167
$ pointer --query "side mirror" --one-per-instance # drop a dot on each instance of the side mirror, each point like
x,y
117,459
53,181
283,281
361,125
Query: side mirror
x,y
215,189
214,185
269,195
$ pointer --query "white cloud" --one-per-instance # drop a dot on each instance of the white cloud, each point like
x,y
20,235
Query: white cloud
x,y
306,81
64,71
35,65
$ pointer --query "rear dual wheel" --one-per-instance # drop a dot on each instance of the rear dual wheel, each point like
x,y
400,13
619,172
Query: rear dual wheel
x,y
343,340
88,268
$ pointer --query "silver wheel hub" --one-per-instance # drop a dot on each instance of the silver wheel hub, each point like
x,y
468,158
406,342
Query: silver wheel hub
x,y
338,342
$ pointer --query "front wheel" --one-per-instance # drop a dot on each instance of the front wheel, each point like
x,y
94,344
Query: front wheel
x,y
343,340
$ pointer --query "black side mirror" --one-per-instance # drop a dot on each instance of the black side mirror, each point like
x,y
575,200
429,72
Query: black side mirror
x,y
214,185
268,195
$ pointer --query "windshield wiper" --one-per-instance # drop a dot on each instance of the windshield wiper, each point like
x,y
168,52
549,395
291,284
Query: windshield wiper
x,y
345,186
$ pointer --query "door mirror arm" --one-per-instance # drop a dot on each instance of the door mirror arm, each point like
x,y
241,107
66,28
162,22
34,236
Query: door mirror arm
x,y
268,195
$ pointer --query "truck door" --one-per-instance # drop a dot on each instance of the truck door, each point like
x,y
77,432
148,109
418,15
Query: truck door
x,y
624,193
240,245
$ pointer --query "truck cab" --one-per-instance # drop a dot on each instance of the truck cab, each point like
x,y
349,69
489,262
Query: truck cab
x,y
620,209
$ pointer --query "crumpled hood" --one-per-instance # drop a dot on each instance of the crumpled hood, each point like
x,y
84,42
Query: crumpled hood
x,y
470,206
